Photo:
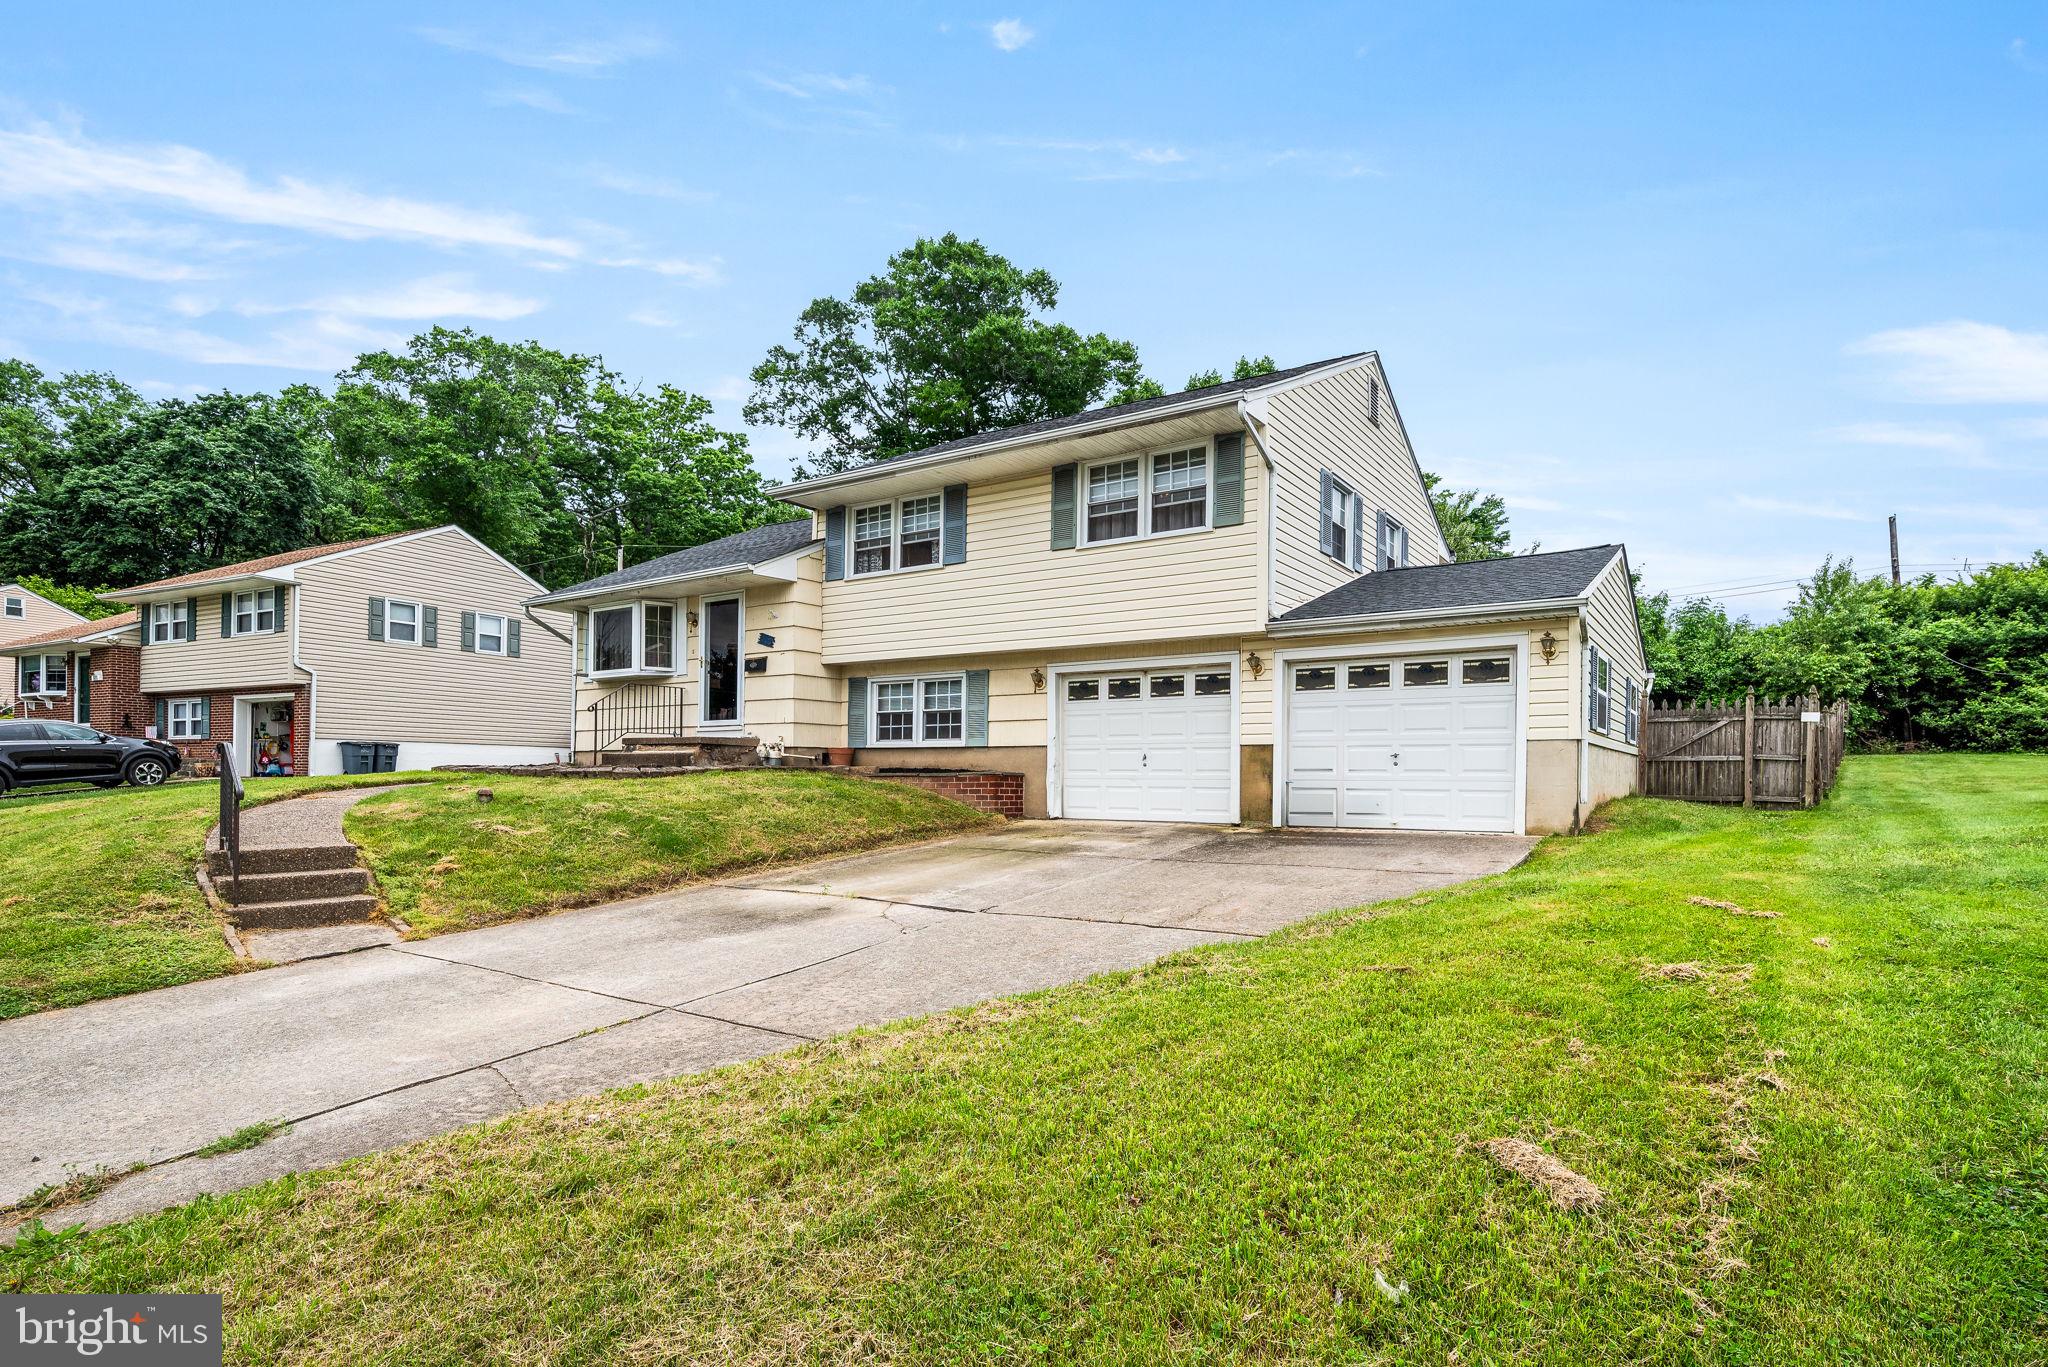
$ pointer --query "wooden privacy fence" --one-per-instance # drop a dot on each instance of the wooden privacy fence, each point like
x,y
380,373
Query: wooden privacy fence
x,y
1758,753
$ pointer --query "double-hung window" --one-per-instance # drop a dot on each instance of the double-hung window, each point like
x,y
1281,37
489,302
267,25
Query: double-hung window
x,y
1340,517
490,633
402,622
1632,718
185,718
1397,546
905,535
42,675
1599,685
167,623
16,607
658,635
921,711
255,612
1153,495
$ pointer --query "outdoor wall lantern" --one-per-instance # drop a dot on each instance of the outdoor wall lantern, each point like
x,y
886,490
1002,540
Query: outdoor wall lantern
x,y
1548,645
1256,665
1037,680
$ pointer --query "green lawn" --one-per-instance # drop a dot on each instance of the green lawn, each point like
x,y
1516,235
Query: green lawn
x,y
1810,1152
97,896
446,861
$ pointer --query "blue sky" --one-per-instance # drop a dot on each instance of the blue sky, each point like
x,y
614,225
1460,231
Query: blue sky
x,y
1728,283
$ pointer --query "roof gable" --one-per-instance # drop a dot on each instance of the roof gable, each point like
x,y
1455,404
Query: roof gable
x,y
742,550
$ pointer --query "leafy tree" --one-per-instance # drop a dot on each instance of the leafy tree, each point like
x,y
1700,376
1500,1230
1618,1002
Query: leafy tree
x,y
1245,369
43,419
947,342
546,457
87,603
170,488
1475,525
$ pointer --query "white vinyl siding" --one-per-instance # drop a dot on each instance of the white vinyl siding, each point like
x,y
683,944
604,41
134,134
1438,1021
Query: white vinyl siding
x,y
1326,425
1611,626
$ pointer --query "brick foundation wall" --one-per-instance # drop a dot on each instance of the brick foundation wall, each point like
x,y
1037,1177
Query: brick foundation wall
x,y
990,790
118,707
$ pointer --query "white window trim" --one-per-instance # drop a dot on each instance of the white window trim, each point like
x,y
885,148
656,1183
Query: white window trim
x,y
917,683
1395,562
419,621
639,666
173,612
43,675
198,715
255,613
16,607
1352,504
896,565
504,632
1146,461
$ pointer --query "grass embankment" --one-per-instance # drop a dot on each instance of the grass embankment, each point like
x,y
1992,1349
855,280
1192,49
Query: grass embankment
x,y
1810,1152
446,861
97,897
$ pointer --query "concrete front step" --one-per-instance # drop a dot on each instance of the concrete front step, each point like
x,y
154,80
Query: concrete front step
x,y
310,911
650,759
256,889
275,859
686,740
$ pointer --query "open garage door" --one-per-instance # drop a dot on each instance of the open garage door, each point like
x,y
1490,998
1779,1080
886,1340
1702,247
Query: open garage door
x,y
1409,742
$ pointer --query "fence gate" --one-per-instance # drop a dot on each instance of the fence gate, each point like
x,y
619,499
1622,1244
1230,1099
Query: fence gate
x,y
1758,753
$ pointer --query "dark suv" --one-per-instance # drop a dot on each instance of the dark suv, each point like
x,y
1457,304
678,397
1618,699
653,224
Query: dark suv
x,y
66,752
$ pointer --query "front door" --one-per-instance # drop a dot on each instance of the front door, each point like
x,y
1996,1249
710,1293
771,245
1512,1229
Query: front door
x,y
721,652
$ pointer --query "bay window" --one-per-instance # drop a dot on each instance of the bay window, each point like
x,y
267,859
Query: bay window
x,y
633,638
611,640
658,636
1150,495
921,711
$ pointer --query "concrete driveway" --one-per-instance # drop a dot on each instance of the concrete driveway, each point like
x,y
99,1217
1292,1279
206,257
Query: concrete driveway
x,y
366,1050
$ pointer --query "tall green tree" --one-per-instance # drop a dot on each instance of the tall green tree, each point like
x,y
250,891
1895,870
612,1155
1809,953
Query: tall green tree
x,y
547,457
1475,525
174,487
947,342
1247,368
43,419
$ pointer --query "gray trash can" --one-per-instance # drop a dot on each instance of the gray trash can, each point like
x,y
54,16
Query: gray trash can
x,y
357,756
386,759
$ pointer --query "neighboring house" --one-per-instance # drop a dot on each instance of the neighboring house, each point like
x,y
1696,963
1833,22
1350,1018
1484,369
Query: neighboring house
x,y
77,672
418,639
1229,604
25,613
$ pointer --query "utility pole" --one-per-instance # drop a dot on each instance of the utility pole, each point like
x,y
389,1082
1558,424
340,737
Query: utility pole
x,y
1894,520
620,559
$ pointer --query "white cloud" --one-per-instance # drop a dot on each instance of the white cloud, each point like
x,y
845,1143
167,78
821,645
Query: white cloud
x,y
430,297
648,316
531,97
320,342
695,272
101,260
651,187
46,163
1908,435
1963,362
810,85
1832,512
565,56
1010,34
2027,429
729,389
1120,158
2023,57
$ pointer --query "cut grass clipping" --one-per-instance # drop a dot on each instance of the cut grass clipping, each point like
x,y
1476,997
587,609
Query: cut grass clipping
x,y
1222,1157
248,1137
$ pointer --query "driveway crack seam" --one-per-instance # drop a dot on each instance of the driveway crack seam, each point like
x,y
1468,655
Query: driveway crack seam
x,y
769,978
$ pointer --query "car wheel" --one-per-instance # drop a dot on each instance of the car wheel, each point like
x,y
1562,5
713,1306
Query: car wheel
x,y
148,771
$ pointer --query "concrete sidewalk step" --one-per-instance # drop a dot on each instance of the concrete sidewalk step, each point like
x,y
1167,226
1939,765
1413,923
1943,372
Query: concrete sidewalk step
x,y
298,859
310,911
650,759
256,889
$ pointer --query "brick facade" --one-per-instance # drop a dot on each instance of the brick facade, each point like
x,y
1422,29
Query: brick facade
x,y
54,706
991,790
200,756
118,707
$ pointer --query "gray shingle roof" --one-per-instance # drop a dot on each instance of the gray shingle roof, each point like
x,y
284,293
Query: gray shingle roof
x,y
744,548
1468,584
1135,409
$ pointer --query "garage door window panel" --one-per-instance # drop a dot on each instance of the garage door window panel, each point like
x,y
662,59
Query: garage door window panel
x,y
1122,688
1489,669
1317,680
1369,676
1425,673
1212,685
1084,690
1169,685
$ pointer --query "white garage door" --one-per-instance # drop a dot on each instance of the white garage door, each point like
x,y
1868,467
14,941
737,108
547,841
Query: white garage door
x,y
1414,742
1147,745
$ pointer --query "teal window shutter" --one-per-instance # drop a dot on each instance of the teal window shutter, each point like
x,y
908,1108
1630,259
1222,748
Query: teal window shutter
x,y
856,713
1064,478
192,619
975,732
163,720
1357,533
227,615
278,597
206,718
512,637
376,619
469,631
953,531
1324,540
1229,509
835,542
430,626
